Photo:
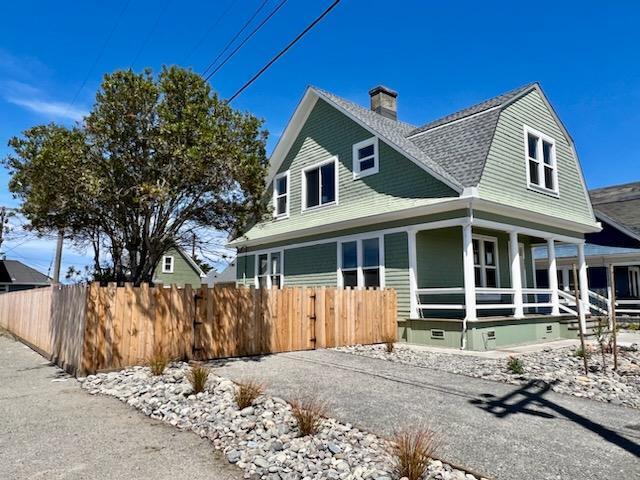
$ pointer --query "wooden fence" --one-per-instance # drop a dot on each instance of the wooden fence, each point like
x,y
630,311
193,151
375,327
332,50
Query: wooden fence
x,y
88,329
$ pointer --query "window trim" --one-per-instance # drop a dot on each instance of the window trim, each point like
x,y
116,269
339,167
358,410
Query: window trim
x,y
276,196
268,275
303,199
360,259
483,274
355,162
164,264
555,192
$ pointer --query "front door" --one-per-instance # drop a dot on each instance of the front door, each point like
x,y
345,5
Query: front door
x,y
634,282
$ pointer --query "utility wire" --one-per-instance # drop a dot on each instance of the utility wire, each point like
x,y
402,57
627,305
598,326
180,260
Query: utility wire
x,y
246,39
99,56
143,45
283,51
210,29
230,42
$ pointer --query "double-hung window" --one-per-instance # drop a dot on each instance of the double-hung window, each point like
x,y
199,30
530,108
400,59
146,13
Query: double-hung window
x,y
281,195
167,264
365,158
361,263
319,184
542,170
269,270
485,262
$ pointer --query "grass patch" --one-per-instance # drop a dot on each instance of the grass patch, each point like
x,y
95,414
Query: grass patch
x,y
515,365
198,376
308,413
581,353
247,392
411,451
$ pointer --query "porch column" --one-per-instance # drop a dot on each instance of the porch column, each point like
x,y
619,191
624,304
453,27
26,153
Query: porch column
x,y
583,279
469,274
553,277
413,274
516,278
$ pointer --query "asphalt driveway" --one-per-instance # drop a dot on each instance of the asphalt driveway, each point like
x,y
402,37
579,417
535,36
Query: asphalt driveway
x,y
51,429
501,430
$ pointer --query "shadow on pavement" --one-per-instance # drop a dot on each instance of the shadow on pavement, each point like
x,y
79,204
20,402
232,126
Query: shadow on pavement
x,y
529,399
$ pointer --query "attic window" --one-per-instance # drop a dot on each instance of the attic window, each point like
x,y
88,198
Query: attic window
x,y
365,158
167,264
542,171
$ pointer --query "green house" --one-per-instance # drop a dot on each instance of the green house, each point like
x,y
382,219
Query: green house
x,y
446,213
177,267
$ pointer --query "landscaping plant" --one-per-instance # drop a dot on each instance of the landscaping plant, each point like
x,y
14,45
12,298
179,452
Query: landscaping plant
x,y
308,413
411,451
389,342
581,353
247,392
197,377
158,362
515,365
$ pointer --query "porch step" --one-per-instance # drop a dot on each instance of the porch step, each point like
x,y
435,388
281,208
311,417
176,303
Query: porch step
x,y
591,324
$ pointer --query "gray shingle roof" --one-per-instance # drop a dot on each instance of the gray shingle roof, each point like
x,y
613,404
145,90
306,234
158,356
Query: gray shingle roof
x,y
13,271
454,147
620,203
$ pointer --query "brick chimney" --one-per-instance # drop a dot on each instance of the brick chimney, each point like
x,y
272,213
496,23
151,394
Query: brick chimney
x,y
384,101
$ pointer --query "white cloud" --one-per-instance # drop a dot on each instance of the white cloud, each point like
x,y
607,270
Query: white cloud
x,y
49,108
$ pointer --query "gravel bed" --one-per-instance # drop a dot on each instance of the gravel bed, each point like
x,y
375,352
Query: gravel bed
x,y
559,367
263,440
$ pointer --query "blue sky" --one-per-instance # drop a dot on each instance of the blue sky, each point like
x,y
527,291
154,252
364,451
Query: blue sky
x,y
439,56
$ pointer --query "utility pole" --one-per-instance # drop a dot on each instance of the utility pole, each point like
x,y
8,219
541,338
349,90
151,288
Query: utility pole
x,y
193,246
58,258
4,221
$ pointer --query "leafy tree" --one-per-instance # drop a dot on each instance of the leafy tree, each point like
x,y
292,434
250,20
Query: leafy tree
x,y
155,159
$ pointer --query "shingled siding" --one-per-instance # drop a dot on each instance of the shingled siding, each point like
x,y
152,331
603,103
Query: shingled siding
x,y
314,265
505,179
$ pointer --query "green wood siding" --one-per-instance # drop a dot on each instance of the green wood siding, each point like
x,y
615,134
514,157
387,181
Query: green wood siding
x,y
504,178
439,256
399,184
245,270
396,271
183,272
315,265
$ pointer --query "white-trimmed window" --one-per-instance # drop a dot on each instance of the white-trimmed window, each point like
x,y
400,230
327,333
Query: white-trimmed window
x,y
320,184
281,195
542,170
365,158
269,271
361,263
485,261
167,264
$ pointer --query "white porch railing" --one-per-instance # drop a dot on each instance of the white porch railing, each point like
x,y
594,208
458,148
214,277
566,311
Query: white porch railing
x,y
628,307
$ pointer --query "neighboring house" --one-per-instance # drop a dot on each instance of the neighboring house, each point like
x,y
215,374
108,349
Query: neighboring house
x,y
618,244
177,267
225,278
15,275
445,213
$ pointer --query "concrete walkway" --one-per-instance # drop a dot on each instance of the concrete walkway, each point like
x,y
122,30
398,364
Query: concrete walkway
x,y
501,430
51,429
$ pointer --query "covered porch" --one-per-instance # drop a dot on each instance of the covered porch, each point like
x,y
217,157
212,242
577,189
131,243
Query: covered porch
x,y
473,284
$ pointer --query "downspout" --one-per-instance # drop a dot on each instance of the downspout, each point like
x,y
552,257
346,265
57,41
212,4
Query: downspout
x,y
470,193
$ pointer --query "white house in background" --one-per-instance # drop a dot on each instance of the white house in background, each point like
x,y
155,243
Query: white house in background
x,y
225,277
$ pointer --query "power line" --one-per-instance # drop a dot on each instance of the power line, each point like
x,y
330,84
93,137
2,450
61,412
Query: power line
x,y
246,39
284,50
143,45
230,42
100,53
210,29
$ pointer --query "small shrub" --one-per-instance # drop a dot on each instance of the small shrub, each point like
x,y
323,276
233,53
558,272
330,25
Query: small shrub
x,y
580,353
308,413
515,365
411,451
389,342
246,393
197,377
158,362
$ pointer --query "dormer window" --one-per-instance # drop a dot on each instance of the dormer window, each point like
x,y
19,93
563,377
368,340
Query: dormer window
x,y
281,195
542,171
365,158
